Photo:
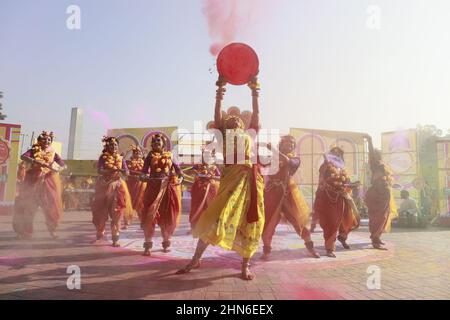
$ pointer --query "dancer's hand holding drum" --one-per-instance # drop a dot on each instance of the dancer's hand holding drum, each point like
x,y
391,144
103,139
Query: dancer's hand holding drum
x,y
254,86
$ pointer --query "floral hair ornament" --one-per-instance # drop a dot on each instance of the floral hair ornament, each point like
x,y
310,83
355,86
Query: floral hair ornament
x,y
108,141
135,148
231,117
46,134
337,150
289,138
162,137
332,157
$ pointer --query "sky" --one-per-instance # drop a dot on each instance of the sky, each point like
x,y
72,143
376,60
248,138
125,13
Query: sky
x,y
324,64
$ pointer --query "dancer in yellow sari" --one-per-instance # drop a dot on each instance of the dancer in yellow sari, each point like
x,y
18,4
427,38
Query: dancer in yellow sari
x,y
234,220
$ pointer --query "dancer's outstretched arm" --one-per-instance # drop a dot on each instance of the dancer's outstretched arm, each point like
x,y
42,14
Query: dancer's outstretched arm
x,y
254,86
371,152
219,97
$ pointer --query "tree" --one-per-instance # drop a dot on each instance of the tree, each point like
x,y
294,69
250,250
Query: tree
x,y
2,116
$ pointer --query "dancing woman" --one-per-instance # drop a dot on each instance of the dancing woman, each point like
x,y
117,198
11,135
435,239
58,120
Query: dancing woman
x,y
135,185
282,197
40,186
112,199
204,189
379,200
333,204
234,220
162,197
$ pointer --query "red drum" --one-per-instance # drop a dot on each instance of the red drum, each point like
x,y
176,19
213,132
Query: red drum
x,y
237,63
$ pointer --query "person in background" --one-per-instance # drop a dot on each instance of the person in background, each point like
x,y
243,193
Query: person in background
x,y
70,199
204,189
135,185
408,208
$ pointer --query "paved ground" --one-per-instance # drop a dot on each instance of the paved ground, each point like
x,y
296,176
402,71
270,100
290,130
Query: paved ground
x,y
416,266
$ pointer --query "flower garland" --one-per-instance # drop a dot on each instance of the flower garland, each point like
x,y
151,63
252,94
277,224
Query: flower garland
x,y
205,169
112,161
336,178
161,162
42,156
136,164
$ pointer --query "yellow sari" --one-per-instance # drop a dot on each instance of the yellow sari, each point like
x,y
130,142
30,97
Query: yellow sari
x,y
224,223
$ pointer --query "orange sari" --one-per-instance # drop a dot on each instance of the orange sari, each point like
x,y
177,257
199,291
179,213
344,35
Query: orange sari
x,y
40,187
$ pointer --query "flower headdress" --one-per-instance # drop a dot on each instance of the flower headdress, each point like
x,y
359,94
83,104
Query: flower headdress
x,y
240,122
107,141
46,134
289,138
162,137
337,150
135,148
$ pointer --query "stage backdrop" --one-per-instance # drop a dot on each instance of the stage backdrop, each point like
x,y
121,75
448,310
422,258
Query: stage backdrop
x,y
413,158
400,152
140,136
311,146
443,155
81,168
9,155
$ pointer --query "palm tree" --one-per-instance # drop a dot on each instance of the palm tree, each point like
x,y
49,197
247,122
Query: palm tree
x,y
2,116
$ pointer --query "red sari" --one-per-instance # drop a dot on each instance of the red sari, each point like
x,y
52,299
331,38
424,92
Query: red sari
x,y
111,201
162,197
282,198
379,201
203,191
332,206
41,187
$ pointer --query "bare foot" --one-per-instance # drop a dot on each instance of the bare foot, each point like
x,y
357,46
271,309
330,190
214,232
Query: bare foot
x,y
115,245
313,253
378,246
54,236
265,256
344,243
99,241
194,264
247,274
330,254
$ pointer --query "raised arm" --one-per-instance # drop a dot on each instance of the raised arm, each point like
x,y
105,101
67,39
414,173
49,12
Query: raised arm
x,y
59,160
219,97
254,86
371,152
27,155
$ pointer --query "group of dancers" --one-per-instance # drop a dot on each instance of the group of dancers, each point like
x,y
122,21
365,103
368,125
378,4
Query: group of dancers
x,y
233,207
